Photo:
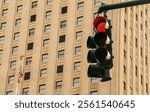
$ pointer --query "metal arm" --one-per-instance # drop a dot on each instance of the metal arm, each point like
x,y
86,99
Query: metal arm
x,y
107,7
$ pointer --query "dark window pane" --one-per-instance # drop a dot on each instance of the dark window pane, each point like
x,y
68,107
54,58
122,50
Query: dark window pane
x,y
33,18
30,46
62,38
64,10
60,69
27,76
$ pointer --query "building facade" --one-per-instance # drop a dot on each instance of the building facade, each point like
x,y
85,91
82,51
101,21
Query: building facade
x,y
47,38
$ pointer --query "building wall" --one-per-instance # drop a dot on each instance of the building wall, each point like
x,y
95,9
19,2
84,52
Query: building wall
x,y
59,64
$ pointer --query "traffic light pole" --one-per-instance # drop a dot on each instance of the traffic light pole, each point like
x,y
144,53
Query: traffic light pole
x,y
106,7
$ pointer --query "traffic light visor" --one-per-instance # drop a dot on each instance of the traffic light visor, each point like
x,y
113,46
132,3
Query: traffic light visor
x,y
98,20
91,42
91,56
101,39
95,71
102,54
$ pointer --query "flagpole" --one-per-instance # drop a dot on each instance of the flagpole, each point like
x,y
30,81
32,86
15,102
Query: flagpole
x,y
17,88
20,75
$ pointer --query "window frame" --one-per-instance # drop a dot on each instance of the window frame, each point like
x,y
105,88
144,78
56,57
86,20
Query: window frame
x,y
61,53
34,4
63,24
42,88
11,79
45,57
43,72
4,12
76,82
77,66
59,85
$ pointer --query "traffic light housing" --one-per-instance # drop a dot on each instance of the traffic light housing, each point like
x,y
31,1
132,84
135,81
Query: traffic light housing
x,y
100,53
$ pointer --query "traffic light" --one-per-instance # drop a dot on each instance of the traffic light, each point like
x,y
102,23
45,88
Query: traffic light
x,y
100,53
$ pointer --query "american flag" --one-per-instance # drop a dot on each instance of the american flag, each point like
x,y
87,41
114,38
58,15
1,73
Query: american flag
x,y
20,74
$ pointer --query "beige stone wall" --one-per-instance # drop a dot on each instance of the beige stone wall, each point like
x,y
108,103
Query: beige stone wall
x,y
124,78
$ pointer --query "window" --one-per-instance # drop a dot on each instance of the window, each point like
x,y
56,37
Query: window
x,y
1,39
76,94
94,80
47,28
145,23
49,1
42,88
33,18
136,70
145,36
63,24
34,4
58,85
78,50
80,6
124,69
147,89
124,86
60,53
80,20
60,68
31,32
16,35
19,9
11,79
93,93
4,12
125,23
48,14
18,22
64,10
9,93
141,26
76,82
1,53
27,76
97,2
13,64
136,42
62,38
125,39
141,80
3,26
78,35
43,72
146,60
45,42
25,91
5,1
141,14
136,17
15,50
77,65
30,46
125,53
45,57
28,60
131,91
141,51
146,11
